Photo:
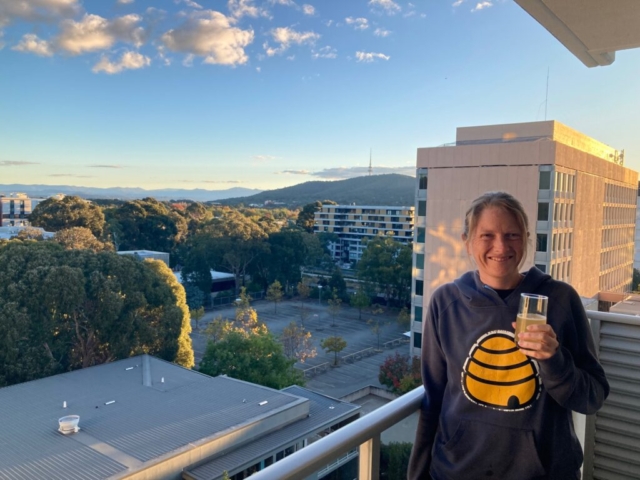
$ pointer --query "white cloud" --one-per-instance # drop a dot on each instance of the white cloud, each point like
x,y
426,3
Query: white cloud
x,y
258,69
308,9
388,6
341,173
1,42
457,3
241,8
30,43
124,2
264,158
128,61
287,3
325,52
36,10
368,57
189,3
15,163
481,6
381,32
209,34
358,23
294,172
94,32
285,37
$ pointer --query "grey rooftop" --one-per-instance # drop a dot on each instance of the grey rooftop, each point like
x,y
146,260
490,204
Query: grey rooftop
x,y
135,414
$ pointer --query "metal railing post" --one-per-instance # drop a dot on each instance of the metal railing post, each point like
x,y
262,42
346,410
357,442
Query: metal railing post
x,y
369,460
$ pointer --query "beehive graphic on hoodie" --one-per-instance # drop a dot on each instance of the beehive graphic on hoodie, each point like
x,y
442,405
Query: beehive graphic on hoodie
x,y
497,375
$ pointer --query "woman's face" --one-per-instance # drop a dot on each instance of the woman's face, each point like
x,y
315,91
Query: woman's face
x,y
497,247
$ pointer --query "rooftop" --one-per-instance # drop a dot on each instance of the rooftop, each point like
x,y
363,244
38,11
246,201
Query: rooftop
x,y
134,415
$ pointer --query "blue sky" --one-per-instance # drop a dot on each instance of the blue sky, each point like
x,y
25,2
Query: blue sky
x,y
266,94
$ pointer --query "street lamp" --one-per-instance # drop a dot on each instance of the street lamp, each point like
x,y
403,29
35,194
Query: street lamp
x,y
319,294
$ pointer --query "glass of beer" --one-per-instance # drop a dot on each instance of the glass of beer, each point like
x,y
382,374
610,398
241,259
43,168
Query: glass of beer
x,y
532,311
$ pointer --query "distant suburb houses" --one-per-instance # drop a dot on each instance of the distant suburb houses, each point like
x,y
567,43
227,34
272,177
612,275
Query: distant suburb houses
x,y
352,224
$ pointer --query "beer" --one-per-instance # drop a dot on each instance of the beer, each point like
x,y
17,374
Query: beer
x,y
524,320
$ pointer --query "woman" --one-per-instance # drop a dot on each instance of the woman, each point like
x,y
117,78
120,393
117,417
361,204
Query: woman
x,y
494,410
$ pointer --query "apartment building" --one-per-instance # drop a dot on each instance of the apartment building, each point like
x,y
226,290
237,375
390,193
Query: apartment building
x,y
14,210
353,223
580,199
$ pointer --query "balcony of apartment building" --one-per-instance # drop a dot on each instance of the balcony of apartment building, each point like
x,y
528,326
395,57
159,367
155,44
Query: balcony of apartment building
x,y
611,438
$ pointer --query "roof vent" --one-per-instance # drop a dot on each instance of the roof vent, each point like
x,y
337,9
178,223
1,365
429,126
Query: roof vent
x,y
69,424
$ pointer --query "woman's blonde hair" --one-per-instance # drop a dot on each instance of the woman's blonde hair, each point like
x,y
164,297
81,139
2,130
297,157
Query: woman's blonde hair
x,y
503,200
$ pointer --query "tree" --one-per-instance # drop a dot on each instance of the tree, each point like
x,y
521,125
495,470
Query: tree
x,y
195,297
303,294
274,294
334,344
360,301
404,317
64,310
255,357
30,233
307,214
217,329
80,238
376,325
55,214
196,315
636,280
386,264
297,343
335,305
147,224
225,475
400,373
394,460
337,284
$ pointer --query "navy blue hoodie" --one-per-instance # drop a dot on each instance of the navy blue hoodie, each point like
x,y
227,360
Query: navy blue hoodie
x,y
490,412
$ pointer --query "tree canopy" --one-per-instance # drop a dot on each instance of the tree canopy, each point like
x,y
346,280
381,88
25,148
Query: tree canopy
x,y
55,214
386,265
63,310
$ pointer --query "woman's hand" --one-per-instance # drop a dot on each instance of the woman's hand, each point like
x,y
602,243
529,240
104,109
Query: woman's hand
x,y
539,341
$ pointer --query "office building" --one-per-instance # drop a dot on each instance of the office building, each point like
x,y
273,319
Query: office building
x,y
15,210
580,199
353,223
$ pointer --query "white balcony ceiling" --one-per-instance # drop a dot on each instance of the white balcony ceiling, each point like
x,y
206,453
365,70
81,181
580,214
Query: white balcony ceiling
x,y
593,30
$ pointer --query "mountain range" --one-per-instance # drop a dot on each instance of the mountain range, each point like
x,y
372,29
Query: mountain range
x,y
123,193
388,189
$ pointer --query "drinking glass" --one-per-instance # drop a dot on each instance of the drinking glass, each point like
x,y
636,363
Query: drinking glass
x,y
532,311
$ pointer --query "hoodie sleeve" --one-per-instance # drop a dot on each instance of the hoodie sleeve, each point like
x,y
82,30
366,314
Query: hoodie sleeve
x,y
434,379
573,376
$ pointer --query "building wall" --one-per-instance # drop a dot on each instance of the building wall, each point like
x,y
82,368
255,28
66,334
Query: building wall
x,y
591,202
354,223
15,210
636,258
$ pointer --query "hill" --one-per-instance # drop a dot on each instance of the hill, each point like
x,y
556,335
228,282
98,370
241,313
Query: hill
x,y
388,189
124,193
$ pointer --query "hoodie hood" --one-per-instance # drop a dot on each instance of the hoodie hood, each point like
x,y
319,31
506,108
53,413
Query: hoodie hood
x,y
478,294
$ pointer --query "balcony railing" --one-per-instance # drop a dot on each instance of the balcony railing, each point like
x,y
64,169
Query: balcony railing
x,y
611,438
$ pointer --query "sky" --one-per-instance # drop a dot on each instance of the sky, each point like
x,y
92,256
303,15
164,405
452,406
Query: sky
x,y
266,94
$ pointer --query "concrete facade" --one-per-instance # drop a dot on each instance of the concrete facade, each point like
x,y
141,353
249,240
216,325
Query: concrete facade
x,y
353,223
15,210
580,200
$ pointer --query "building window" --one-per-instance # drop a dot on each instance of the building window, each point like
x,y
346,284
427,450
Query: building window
x,y
420,261
421,235
422,208
545,181
543,211
542,267
417,314
419,287
541,242
417,340
422,181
